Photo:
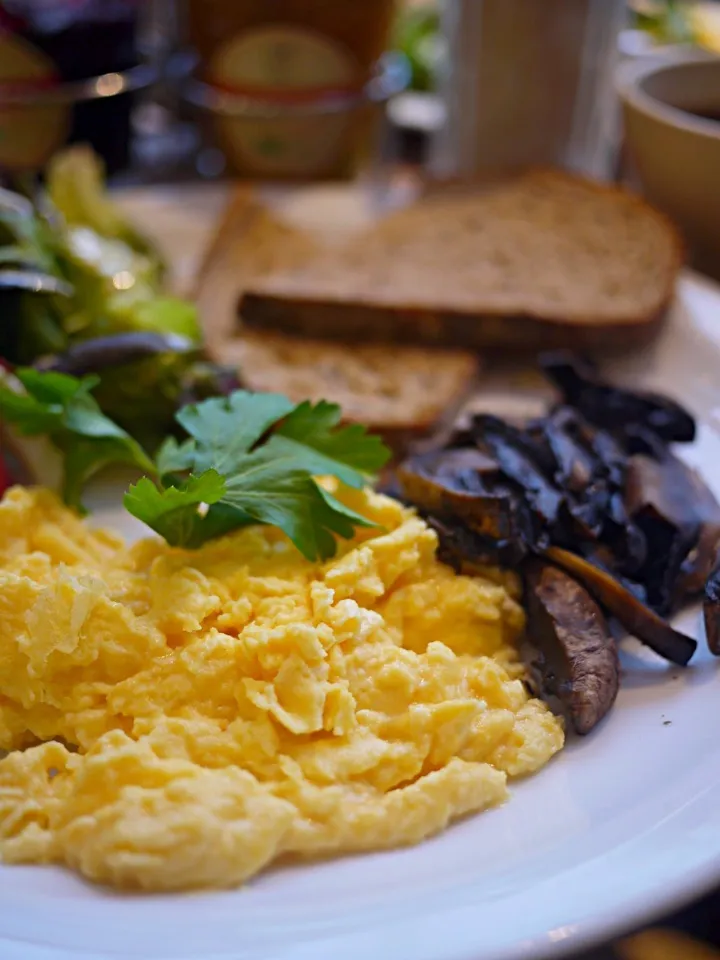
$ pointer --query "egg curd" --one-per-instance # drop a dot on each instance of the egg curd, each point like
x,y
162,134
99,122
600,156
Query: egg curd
x,y
178,719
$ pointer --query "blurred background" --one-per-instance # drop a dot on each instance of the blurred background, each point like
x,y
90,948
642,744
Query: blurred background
x,y
172,93
175,91
186,89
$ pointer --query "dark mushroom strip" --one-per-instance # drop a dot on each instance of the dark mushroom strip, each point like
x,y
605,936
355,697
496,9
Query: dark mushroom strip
x,y
624,537
389,485
681,518
703,558
667,488
518,459
576,472
576,657
601,556
711,612
466,485
614,408
589,467
464,550
602,502
576,463
607,449
699,564
639,439
637,618
661,499
606,495
426,479
599,449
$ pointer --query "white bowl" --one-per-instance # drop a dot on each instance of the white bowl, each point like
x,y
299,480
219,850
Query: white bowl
x,y
676,151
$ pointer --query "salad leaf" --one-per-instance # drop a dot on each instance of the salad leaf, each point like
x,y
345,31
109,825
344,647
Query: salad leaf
x,y
34,281
72,269
27,235
17,256
52,387
163,315
667,21
144,395
84,457
62,408
76,186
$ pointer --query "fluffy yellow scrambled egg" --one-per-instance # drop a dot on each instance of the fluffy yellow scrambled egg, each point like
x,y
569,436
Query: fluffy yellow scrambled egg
x,y
180,719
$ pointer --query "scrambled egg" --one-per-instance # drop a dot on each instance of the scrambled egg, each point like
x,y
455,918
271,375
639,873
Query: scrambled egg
x,y
180,719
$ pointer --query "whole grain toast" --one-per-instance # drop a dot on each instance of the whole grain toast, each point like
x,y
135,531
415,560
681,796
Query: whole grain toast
x,y
401,393
547,259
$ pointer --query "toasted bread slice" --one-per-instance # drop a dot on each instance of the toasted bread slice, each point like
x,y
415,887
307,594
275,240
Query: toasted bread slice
x,y
250,243
544,260
402,393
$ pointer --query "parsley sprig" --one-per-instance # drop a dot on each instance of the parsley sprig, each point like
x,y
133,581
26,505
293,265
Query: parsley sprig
x,y
247,458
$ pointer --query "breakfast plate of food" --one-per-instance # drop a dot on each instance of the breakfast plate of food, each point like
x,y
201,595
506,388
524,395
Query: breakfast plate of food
x,y
269,691
231,705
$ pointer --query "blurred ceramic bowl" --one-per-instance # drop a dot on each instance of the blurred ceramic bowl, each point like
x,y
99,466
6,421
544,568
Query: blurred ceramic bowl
x,y
672,128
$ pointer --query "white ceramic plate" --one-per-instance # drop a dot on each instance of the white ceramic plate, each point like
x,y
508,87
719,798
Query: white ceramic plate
x,y
621,827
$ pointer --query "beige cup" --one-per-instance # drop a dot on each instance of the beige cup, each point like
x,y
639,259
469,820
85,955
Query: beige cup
x,y
672,128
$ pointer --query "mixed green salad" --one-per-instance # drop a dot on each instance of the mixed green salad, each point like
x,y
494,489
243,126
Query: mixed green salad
x,y
83,292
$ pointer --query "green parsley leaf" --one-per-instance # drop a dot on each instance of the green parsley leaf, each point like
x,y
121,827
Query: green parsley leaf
x,y
225,428
175,512
249,458
345,519
349,453
281,492
173,457
270,482
264,489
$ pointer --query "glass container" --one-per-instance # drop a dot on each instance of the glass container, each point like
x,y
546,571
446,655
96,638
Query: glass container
x,y
290,89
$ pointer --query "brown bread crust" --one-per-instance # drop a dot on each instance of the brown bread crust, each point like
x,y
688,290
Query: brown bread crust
x,y
358,322
289,305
